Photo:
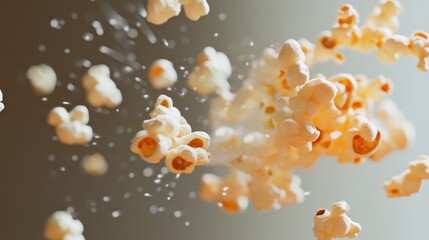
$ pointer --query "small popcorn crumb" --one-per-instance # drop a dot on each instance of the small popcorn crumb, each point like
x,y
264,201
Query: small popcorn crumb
x,y
61,226
162,74
95,164
101,90
168,135
329,225
43,79
71,127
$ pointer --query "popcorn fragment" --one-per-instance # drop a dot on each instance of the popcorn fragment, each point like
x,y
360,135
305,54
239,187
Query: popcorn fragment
x,y
160,11
329,225
408,182
168,135
71,127
101,90
211,73
43,79
61,226
1,100
162,74
95,164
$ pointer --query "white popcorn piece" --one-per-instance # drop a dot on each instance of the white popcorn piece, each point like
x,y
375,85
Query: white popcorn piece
x,y
329,225
166,125
210,187
195,9
101,89
95,164
43,79
290,54
181,159
389,51
160,11
408,182
211,74
71,128
196,139
162,74
386,15
61,226
1,101
326,49
419,46
151,148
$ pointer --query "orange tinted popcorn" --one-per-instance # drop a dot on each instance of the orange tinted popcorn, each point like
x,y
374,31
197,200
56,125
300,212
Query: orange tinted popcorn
x,y
160,11
168,135
408,182
61,226
162,74
329,225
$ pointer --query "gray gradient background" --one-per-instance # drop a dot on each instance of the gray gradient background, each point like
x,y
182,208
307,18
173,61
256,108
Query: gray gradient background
x,y
32,187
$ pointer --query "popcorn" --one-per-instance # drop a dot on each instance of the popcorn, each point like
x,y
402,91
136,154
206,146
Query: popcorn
x,y
71,128
419,46
162,74
43,79
95,164
61,226
386,15
389,51
168,135
211,74
1,100
160,11
100,88
194,9
408,182
335,223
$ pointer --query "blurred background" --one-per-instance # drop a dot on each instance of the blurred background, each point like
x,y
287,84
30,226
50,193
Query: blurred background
x,y
39,175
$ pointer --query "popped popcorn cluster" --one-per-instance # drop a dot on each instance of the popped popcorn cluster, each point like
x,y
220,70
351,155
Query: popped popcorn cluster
x,y
329,225
211,73
71,127
378,32
409,181
160,11
43,79
1,100
162,74
281,119
101,90
168,135
61,226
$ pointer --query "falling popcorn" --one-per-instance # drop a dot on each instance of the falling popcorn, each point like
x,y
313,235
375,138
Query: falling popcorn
x,y
211,73
168,135
1,100
162,74
43,79
409,182
335,224
101,90
71,127
95,164
61,226
160,11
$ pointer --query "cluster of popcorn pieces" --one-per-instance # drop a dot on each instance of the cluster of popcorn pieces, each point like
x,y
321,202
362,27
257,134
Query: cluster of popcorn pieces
x,y
160,11
329,225
95,164
211,73
168,135
162,74
61,226
409,182
101,90
378,32
43,79
280,119
71,127
1,100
